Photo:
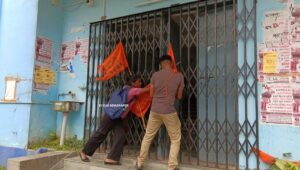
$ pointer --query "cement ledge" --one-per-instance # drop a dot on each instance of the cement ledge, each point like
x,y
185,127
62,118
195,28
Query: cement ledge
x,y
43,161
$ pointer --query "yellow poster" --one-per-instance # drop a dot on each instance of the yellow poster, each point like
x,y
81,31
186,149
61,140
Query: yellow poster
x,y
38,75
44,76
270,62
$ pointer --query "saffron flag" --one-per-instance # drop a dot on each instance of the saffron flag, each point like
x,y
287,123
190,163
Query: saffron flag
x,y
266,158
171,53
115,63
142,104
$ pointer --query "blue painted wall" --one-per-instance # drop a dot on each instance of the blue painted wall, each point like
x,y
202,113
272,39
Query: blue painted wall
x,y
276,139
0,10
49,25
17,44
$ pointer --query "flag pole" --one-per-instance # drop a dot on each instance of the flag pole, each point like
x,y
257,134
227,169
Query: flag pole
x,y
143,118
129,71
144,124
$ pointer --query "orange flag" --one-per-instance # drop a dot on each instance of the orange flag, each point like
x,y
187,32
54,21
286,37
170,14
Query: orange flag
x,y
266,158
170,52
142,104
115,63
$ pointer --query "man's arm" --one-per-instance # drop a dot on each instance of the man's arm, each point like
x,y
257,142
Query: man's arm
x,y
138,91
152,85
145,89
151,90
179,93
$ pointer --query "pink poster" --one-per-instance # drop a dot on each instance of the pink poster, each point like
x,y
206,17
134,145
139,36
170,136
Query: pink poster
x,y
67,52
43,50
276,118
70,50
82,49
280,99
296,120
279,66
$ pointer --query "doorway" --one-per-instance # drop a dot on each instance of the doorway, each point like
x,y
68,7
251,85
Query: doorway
x,y
204,38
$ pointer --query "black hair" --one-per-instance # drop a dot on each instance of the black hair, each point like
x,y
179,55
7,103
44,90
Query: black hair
x,y
165,57
132,79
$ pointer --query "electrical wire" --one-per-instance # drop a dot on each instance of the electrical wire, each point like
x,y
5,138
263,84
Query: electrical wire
x,y
72,6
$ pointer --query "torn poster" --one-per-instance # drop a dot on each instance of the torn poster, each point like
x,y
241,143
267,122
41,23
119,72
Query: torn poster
x,y
295,80
295,59
82,49
276,118
44,76
67,52
296,120
74,48
43,51
279,65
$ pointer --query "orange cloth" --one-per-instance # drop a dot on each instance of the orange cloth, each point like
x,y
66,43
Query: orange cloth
x,y
171,53
142,104
115,63
266,158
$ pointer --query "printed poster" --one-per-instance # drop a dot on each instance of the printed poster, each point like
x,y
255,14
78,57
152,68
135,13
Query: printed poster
x,y
67,52
279,65
43,51
82,49
44,76
270,62
280,100
73,48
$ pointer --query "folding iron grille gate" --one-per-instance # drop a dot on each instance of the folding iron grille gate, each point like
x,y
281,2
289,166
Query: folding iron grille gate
x,y
217,129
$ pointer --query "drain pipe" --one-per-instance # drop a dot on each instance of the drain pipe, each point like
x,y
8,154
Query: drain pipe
x,y
104,11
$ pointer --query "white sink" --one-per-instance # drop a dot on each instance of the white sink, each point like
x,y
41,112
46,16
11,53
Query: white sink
x,y
66,106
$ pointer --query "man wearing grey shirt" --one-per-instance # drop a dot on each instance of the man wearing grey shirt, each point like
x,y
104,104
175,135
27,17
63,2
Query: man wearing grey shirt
x,y
166,85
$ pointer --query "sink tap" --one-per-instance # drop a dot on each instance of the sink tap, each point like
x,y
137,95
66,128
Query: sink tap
x,y
67,94
72,94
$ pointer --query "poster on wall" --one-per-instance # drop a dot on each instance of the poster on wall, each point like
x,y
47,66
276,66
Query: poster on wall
x,y
70,50
279,65
296,96
82,49
296,120
276,102
43,51
67,52
270,62
43,78
44,75
280,99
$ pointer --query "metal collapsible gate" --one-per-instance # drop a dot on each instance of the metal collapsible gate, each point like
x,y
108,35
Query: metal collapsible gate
x,y
217,128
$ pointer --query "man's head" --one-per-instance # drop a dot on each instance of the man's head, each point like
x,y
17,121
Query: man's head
x,y
165,61
135,81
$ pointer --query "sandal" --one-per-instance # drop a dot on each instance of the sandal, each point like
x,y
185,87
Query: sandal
x,y
112,163
86,159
